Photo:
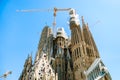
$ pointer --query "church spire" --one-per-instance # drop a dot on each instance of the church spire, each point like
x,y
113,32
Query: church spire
x,y
83,23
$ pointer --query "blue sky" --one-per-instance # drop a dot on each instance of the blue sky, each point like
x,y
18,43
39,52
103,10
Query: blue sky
x,y
20,32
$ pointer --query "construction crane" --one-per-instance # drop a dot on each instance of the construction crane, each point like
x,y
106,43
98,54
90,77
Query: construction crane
x,y
55,13
6,74
55,10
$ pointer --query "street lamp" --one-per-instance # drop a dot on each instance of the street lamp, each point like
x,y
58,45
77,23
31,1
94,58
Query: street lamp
x,y
6,74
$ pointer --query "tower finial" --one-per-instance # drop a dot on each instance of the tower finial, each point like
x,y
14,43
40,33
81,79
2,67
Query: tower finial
x,y
83,20
87,26
28,55
31,54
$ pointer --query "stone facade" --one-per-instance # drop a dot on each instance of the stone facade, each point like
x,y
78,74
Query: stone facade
x,y
63,58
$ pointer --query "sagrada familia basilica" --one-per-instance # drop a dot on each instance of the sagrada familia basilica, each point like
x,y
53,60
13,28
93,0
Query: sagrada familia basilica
x,y
61,57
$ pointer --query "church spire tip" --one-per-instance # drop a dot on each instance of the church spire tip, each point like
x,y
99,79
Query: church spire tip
x,y
83,20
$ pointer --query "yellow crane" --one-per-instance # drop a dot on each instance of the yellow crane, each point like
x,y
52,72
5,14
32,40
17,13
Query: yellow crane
x,y
55,10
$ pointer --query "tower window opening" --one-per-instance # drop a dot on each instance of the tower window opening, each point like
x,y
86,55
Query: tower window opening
x,y
60,43
59,65
79,51
58,33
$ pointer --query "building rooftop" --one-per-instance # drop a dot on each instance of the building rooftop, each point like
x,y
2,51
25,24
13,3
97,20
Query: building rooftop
x,y
61,33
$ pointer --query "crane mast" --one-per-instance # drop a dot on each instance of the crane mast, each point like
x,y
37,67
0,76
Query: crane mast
x,y
55,14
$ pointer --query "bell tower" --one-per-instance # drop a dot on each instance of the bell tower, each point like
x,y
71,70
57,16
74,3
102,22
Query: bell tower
x,y
59,50
90,48
77,46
